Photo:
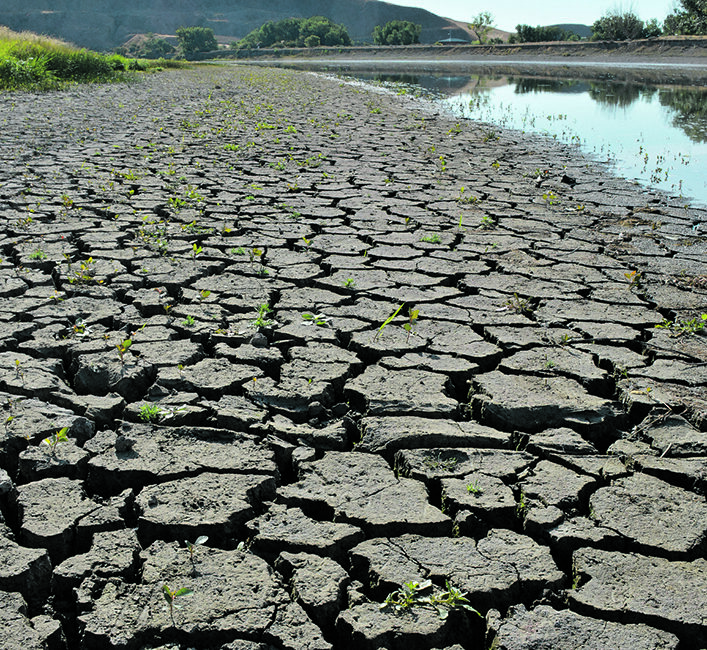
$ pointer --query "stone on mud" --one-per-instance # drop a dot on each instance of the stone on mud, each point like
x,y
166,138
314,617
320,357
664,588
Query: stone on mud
x,y
531,403
235,596
496,571
386,435
362,490
403,392
290,529
545,627
208,504
653,514
632,588
151,454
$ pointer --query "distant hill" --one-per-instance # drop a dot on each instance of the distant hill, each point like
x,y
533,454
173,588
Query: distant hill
x,y
584,31
104,24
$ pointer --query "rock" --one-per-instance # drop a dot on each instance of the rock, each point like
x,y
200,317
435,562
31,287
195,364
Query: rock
x,y
408,392
544,627
164,453
632,588
653,514
289,528
235,595
495,571
112,554
362,490
318,585
386,435
530,403
26,570
209,504
42,523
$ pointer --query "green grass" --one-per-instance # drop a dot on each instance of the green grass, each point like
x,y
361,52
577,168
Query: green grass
x,y
32,62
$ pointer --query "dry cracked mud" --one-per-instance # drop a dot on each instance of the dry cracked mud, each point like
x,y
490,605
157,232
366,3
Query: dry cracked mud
x,y
355,344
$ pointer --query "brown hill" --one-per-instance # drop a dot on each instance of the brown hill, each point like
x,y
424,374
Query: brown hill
x,y
103,25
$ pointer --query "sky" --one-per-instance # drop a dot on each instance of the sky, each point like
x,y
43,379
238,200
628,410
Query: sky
x,y
509,13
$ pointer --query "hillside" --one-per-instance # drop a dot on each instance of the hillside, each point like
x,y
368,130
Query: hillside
x,y
103,25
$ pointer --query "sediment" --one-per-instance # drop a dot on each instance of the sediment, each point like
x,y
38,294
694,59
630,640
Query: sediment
x,y
198,277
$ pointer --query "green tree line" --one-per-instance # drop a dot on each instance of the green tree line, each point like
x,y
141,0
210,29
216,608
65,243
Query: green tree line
x,y
296,32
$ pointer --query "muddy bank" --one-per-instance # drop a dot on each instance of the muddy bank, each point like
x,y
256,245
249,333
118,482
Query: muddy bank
x,y
354,345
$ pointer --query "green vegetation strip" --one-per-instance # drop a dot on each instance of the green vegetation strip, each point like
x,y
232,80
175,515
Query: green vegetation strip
x,y
32,62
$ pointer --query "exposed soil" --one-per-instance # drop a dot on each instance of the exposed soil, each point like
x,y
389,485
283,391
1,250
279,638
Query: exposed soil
x,y
198,277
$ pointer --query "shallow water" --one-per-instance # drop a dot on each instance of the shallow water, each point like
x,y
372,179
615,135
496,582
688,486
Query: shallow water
x,y
652,131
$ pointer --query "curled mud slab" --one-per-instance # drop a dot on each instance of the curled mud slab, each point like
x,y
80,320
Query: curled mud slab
x,y
199,275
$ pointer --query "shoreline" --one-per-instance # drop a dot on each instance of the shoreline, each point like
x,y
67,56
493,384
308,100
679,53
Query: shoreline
x,y
354,343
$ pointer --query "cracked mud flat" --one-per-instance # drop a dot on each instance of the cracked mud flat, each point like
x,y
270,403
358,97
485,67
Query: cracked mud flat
x,y
532,439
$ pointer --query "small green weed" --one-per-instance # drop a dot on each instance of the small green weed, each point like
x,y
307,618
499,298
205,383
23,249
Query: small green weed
x,y
432,239
387,322
53,440
150,413
172,596
261,319
684,327
474,487
423,594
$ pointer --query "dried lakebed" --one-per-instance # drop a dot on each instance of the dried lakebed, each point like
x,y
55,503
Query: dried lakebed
x,y
198,274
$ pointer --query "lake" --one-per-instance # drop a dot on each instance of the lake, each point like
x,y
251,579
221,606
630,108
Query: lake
x,y
648,121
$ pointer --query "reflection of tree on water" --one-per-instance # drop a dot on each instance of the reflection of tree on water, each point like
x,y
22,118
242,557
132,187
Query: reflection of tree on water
x,y
619,94
540,84
689,107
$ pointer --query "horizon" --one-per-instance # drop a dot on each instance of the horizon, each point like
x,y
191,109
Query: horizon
x,y
509,13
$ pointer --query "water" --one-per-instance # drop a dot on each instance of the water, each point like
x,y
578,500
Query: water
x,y
654,132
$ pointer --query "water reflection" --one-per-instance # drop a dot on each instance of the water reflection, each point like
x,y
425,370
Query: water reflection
x,y
651,131
688,109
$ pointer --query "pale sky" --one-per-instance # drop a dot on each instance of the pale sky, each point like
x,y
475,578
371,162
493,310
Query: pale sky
x,y
509,13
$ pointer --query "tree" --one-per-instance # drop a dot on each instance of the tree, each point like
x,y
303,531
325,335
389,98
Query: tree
x,y
397,32
615,26
481,25
196,39
296,32
528,34
692,19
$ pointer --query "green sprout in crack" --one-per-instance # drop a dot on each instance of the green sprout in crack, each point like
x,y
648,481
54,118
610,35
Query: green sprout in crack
x,y
318,319
413,315
261,319
171,598
423,594
188,321
684,327
53,440
474,487
387,322
432,239
122,348
192,546
150,413
518,305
